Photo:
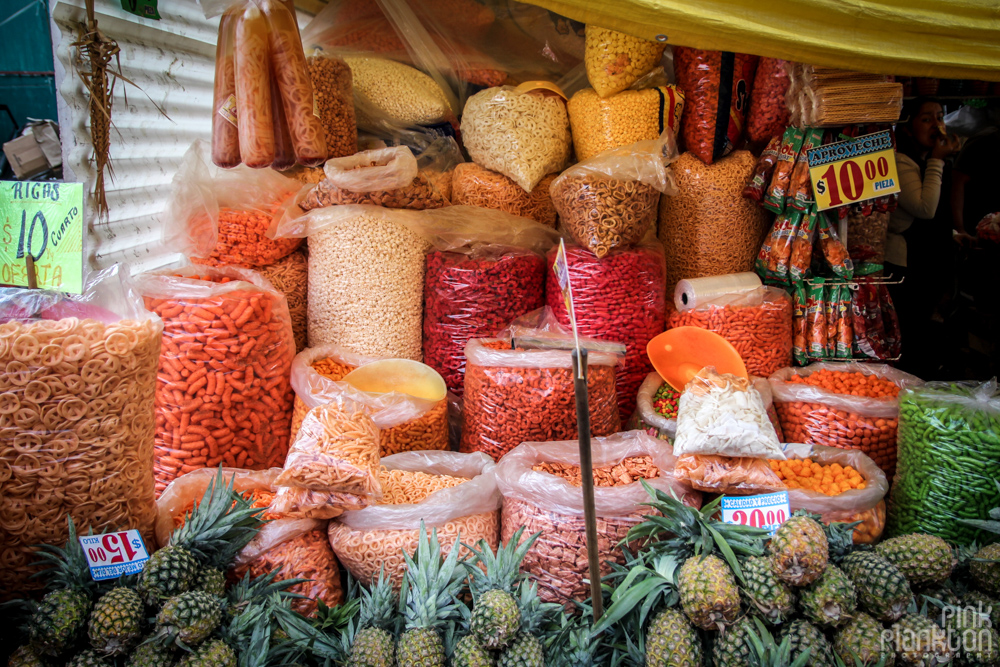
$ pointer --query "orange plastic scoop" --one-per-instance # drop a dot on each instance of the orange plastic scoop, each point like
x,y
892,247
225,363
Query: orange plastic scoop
x,y
679,354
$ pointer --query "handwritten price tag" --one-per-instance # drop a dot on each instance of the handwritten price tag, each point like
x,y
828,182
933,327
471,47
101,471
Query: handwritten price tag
x,y
113,554
848,172
767,511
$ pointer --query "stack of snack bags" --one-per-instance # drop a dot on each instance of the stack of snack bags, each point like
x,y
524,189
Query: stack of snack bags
x,y
724,437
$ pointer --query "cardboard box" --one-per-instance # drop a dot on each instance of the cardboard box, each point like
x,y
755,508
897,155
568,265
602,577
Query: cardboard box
x,y
35,151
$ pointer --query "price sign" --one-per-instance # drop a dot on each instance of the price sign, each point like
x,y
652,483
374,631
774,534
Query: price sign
x,y
44,220
767,511
851,171
113,554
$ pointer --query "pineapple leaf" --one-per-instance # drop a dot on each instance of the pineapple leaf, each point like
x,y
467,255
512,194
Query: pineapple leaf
x,y
988,526
503,570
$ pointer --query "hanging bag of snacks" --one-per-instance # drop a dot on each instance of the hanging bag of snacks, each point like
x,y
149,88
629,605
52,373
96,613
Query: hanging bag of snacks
x,y
76,417
615,61
768,115
334,92
222,390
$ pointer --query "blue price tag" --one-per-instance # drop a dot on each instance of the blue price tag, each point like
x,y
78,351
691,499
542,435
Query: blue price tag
x,y
114,554
766,511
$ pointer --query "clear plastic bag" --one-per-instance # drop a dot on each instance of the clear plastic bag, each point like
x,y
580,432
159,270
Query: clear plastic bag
x,y
290,277
331,362
76,417
620,297
473,185
334,91
757,323
814,415
547,503
615,61
949,460
611,200
222,389
524,136
222,216
866,505
729,476
390,94
724,415
225,133
768,116
368,540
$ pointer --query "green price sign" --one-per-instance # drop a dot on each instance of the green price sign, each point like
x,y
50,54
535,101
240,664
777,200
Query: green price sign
x,y
44,220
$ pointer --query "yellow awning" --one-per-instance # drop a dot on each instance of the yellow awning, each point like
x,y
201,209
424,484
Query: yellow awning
x,y
952,39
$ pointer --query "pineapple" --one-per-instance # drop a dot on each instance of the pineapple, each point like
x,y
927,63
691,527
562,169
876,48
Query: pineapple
x,y
429,589
985,604
115,623
920,642
765,653
495,614
861,640
732,646
215,653
468,653
526,650
972,639
799,551
804,636
831,600
213,533
923,559
672,642
882,589
189,618
764,593
25,656
87,658
151,654
374,645
985,574
943,594
708,591
211,580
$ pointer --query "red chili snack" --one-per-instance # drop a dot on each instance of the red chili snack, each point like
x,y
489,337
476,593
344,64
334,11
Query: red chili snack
x,y
800,193
800,325
223,395
768,114
764,169
774,196
834,251
619,297
816,318
802,247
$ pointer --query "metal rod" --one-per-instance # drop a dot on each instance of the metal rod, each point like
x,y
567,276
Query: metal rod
x,y
32,278
587,475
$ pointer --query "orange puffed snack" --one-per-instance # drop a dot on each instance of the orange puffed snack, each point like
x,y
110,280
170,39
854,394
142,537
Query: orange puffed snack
x,y
849,382
830,480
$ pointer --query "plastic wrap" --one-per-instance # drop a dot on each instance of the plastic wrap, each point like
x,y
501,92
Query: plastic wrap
x,y
473,185
814,415
949,460
524,136
376,537
866,234
757,323
764,170
76,417
724,415
225,134
829,97
515,395
406,422
690,294
611,200
389,93
729,476
707,228
777,188
546,503
717,85
866,505
334,92
331,362
222,216
600,124
768,115
615,61
290,276
620,297
222,390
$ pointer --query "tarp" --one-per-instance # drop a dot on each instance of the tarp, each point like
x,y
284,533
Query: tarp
x,y
951,39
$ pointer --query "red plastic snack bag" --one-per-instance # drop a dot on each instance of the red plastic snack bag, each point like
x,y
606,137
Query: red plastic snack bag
x,y
869,331
768,111
800,324
890,321
816,318
802,247
832,297
845,327
717,86
834,250
773,261
774,196
764,169
800,193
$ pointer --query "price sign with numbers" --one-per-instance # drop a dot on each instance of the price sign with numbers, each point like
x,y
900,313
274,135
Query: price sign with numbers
x,y
767,511
44,220
113,554
852,171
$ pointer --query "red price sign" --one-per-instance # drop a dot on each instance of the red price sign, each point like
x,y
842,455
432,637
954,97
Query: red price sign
x,y
852,171
113,554
767,511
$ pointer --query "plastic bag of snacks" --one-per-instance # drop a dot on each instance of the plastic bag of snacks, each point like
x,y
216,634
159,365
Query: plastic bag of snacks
x,y
949,459
263,87
724,415
768,115
222,390
619,297
524,136
540,483
517,389
390,177
406,422
731,476
866,234
847,405
642,114
473,185
707,228
454,493
757,323
290,276
710,80
222,216
76,417
858,496
764,170
334,92
488,269
611,200
389,93
615,61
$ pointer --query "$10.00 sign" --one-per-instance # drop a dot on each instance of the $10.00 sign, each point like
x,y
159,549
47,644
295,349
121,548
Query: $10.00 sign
x,y
852,171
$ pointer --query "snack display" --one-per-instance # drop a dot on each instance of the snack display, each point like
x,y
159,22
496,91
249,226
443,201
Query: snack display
x,y
473,185
602,123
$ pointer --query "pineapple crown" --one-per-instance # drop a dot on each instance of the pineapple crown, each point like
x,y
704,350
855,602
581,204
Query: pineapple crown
x,y
768,653
67,566
572,645
431,584
503,570
534,612
378,604
648,583
218,527
840,536
992,525
256,590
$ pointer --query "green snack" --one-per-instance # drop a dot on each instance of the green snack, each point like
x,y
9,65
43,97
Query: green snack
x,y
948,458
